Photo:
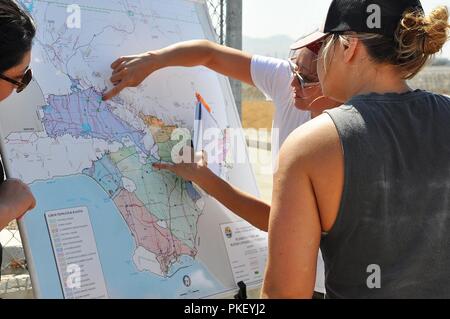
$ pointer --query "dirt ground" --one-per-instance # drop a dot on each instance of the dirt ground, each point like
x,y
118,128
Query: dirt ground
x,y
257,114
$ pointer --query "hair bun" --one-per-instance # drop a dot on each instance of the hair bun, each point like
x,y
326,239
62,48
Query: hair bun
x,y
435,30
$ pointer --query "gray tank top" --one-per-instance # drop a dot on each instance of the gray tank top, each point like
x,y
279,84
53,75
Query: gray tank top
x,y
391,238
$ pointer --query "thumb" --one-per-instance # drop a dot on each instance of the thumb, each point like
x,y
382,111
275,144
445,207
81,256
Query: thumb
x,y
205,156
199,156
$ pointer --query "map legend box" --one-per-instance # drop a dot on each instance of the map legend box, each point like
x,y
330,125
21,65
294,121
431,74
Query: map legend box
x,y
76,254
247,251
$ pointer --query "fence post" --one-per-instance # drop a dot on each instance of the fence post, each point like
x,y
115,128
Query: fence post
x,y
234,40
222,22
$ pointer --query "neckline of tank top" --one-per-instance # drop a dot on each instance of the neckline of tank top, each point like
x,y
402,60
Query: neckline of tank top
x,y
389,96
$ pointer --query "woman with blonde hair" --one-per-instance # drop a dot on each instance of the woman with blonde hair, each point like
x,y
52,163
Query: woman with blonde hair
x,y
367,182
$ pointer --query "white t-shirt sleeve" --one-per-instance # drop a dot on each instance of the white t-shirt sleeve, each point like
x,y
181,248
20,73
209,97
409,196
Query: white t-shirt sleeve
x,y
272,77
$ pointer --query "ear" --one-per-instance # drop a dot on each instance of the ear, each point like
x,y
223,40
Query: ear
x,y
350,50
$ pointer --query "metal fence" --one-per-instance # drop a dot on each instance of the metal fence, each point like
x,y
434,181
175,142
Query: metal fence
x,y
15,278
217,10
226,16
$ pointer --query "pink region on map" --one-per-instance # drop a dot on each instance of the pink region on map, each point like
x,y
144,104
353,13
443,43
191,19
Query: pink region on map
x,y
148,233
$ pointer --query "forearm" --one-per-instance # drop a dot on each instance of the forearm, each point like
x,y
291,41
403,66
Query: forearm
x,y
246,206
227,61
187,54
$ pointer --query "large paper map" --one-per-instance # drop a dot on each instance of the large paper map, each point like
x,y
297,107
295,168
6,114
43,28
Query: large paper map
x,y
107,224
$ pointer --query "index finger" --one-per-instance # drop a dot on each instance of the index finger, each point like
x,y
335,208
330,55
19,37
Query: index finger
x,y
114,91
162,166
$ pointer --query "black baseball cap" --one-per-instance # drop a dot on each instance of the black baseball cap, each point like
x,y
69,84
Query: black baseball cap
x,y
361,16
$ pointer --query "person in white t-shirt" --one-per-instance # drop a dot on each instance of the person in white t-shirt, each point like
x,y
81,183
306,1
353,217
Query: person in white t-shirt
x,y
291,84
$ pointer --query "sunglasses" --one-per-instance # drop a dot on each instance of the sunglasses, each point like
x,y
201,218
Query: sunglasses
x,y
304,83
316,46
22,84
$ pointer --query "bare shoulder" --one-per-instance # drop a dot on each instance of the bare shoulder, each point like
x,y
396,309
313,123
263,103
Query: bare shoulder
x,y
311,143
314,151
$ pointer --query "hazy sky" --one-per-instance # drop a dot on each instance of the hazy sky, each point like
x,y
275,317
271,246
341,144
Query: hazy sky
x,y
263,18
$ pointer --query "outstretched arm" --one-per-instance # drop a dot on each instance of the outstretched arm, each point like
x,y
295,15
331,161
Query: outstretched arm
x,y
131,71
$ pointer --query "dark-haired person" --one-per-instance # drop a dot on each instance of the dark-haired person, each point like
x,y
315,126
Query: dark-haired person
x,y
368,182
291,84
17,31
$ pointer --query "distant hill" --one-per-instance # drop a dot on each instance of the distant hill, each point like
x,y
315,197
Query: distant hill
x,y
439,61
275,46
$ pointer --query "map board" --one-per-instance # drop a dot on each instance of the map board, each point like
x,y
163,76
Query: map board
x,y
107,224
